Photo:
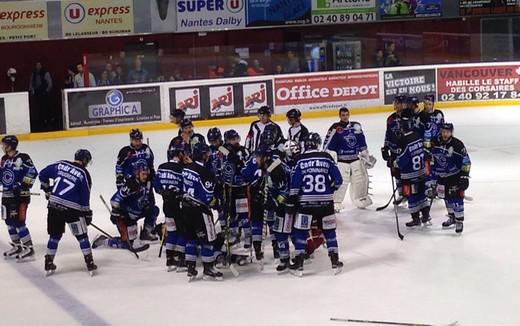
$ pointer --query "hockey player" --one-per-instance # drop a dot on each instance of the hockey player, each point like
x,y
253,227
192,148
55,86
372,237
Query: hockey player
x,y
313,182
215,163
188,135
431,120
129,155
236,187
133,201
257,128
168,183
347,140
451,164
199,184
277,183
18,175
392,134
297,131
69,203
176,116
410,162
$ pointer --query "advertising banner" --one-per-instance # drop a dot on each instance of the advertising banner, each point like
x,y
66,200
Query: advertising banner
x,y
162,15
488,7
95,18
478,83
221,100
399,9
341,12
278,12
254,96
3,125
199,16
408,82
324,91
188,100
114,106
23,21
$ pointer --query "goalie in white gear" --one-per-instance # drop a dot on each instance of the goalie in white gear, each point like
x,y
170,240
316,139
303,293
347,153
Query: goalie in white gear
x,y
346,141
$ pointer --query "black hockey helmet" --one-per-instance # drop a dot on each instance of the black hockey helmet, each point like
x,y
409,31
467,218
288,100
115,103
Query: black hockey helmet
x,y
83,155
214,134
399,99
231,134
447,126
264,110
294,114
429,97
136,134
412,101
11,141
176,147
313,141
186,123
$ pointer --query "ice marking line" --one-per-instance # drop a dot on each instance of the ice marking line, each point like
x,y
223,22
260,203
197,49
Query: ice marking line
x,y
64,299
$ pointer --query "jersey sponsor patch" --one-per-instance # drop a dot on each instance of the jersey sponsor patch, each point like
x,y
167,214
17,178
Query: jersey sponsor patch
x,y
303,221
241,205
329,222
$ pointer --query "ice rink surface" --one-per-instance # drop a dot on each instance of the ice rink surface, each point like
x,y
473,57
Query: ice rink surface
x,y
433,276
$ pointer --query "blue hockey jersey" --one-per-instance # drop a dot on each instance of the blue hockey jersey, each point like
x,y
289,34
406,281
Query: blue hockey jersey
x,y
169,177
17,171
450,158
71,185
347,140
128,156
278,181
410,156
198,183
314,178
232,165
393,131
134,198
431,123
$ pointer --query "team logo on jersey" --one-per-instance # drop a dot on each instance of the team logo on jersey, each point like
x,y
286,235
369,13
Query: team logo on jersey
x,y
208,184
339,130
7,177
351,140
18,164
440,160
74,13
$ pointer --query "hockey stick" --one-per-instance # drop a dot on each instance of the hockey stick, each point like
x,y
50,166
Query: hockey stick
x,y
389,201
384,322
395,211
228,232
163,239
31,193
127,241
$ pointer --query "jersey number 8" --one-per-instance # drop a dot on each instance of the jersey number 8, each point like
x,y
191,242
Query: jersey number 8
x,y
314,183
417,162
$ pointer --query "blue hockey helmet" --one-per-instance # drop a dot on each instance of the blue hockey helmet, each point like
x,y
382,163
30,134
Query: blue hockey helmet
x,y
214,134
83,155
186,123
136,134
293,114
198,150
140,166
11,141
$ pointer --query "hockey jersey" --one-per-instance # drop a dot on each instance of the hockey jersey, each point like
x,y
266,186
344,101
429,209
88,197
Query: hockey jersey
x,y
410,156
233,164
134,198
255,131
298,134
347,140
128,156
393,132
198,184
450,158
277,183
314,178
431,123
17,171
71,184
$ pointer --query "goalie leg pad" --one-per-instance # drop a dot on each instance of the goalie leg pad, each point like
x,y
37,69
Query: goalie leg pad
x,y
339,195
359,187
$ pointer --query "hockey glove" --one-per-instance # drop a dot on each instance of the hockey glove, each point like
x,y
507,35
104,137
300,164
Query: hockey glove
x,y
385,152
120,180
463,182
115,216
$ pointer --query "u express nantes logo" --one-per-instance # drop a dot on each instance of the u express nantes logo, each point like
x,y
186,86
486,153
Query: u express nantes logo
x,y
234,6
114,106
74,13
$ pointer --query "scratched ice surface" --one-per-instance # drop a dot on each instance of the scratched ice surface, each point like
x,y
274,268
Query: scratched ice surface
x,y
433,276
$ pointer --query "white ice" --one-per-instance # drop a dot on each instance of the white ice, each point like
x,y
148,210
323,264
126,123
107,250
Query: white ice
x,y
433,276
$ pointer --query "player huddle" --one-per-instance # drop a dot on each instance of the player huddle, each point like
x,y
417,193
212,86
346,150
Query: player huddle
x,y
283,188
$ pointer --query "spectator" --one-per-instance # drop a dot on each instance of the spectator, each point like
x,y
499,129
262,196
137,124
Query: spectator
x,y
105,79
215,71
278,69
293,63
69,80
110,70
391,58
118,76
79,79
138,74
255,69
177,76
239,66
380,58
40,87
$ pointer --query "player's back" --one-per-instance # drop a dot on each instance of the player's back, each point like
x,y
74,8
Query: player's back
x,y
411,157
198,183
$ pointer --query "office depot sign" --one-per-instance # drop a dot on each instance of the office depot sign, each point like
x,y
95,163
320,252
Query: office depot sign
x,y
325,91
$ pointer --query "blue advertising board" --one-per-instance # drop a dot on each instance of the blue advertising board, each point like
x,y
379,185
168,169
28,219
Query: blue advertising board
x,y
398,9
278,12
